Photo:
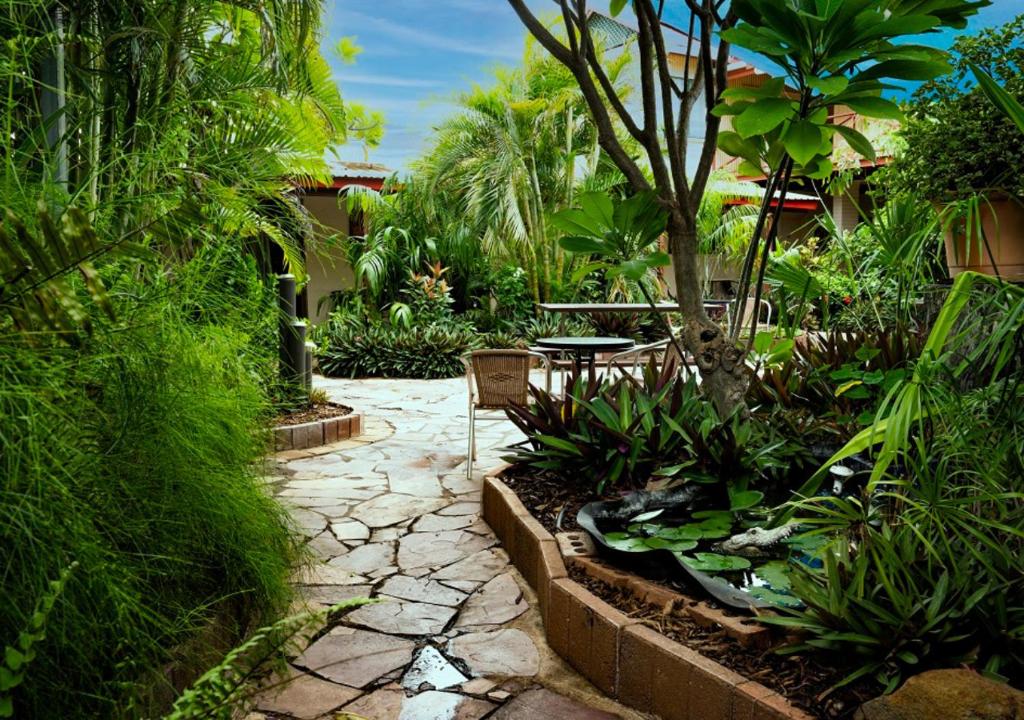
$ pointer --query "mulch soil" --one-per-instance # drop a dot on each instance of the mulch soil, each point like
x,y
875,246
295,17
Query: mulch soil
x,y
319,411
801,679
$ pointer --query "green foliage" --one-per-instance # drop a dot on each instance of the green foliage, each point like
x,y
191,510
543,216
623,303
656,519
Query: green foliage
x,y
957,145
224,688
630,431
17,656
830,53
351,347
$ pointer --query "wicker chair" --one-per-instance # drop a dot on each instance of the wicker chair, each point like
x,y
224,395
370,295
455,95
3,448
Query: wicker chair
x,y
497,378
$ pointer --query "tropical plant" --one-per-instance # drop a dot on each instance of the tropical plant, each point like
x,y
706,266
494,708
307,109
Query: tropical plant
x,y
631,431
353,347
810,41
959,146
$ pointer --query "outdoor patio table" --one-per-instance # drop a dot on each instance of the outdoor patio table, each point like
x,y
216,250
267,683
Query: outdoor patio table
x,y
585,348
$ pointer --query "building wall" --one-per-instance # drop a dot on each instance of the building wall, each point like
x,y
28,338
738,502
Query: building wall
x,y
327,268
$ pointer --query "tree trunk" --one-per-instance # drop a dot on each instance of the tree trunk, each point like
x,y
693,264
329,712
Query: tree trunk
x,y
724,375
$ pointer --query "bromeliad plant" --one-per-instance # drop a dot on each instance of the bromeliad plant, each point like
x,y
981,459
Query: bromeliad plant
x,y
631,431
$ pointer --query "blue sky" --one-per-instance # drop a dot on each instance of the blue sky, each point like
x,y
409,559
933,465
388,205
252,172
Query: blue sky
x,y
419,54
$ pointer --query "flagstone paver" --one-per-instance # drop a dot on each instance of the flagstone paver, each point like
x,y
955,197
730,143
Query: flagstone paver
x,y
391,515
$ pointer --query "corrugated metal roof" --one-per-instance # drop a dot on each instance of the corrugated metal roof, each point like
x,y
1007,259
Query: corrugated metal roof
x,y
346,169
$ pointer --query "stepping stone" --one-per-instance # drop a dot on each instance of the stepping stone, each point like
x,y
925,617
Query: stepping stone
x,y
466,586
386,534
461,508
356,657
327,574
496,603
309,522
364,559
542,704
413,482
478,686
326,546
350,530
332,594
458,484
433,523
507,652
421,590
382,704
434,705
393,508
402,618
480,567
305,697
438,549
434,669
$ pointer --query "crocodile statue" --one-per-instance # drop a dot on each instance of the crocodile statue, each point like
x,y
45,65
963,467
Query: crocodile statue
x,y
756,541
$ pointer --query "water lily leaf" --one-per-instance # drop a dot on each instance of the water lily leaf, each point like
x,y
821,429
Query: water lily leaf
x,y
713,562
660,543
626,542
683,532
775,573
775,598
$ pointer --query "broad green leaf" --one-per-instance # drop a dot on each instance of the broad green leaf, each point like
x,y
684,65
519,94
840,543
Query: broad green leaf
x,y
660,543
658,259
856,140
829,85
905,70
745,499
875,107
583,245
763,116
846,386
598,206
732,144
713,562
615,7
803,141
560,444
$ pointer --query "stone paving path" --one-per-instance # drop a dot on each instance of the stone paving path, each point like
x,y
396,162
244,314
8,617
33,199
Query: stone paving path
x,y
392,515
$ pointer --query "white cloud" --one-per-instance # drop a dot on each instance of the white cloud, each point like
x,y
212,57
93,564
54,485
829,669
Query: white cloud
x,y
425,38
389,80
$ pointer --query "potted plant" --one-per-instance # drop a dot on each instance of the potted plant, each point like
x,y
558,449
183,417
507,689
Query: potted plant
x,y
968,158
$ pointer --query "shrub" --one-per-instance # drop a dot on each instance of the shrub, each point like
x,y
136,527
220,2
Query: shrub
x,y
134,456
957,141
630,431
354,348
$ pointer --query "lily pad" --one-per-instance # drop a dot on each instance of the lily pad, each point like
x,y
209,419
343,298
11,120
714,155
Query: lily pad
x,y
626,542
775,598
682,532
659,543
713,562
745,499
775,574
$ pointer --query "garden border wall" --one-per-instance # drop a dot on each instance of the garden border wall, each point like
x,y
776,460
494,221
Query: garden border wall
x,y
317,433
622,657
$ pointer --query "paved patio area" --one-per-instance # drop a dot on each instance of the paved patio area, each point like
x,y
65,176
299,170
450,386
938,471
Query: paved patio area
x,y
392,515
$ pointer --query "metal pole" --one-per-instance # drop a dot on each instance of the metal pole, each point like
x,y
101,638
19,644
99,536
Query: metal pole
x,y
292,337
307,365
52,101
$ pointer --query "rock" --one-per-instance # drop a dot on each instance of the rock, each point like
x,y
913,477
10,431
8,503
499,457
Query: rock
x,y
496,603
508,652
332,594
542,704
394,508
364,559
433,523
355,657
382,704
434,705
478,567
305,697
437,549
326,546
461,508
350,530
402,618
478,686
947,695
327,574
421,590
434,669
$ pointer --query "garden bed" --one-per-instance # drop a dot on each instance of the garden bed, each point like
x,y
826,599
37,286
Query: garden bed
x,y
611,624
323,424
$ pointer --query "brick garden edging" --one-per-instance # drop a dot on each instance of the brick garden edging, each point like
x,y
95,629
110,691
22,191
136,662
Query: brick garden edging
x,y
317,433
621,656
